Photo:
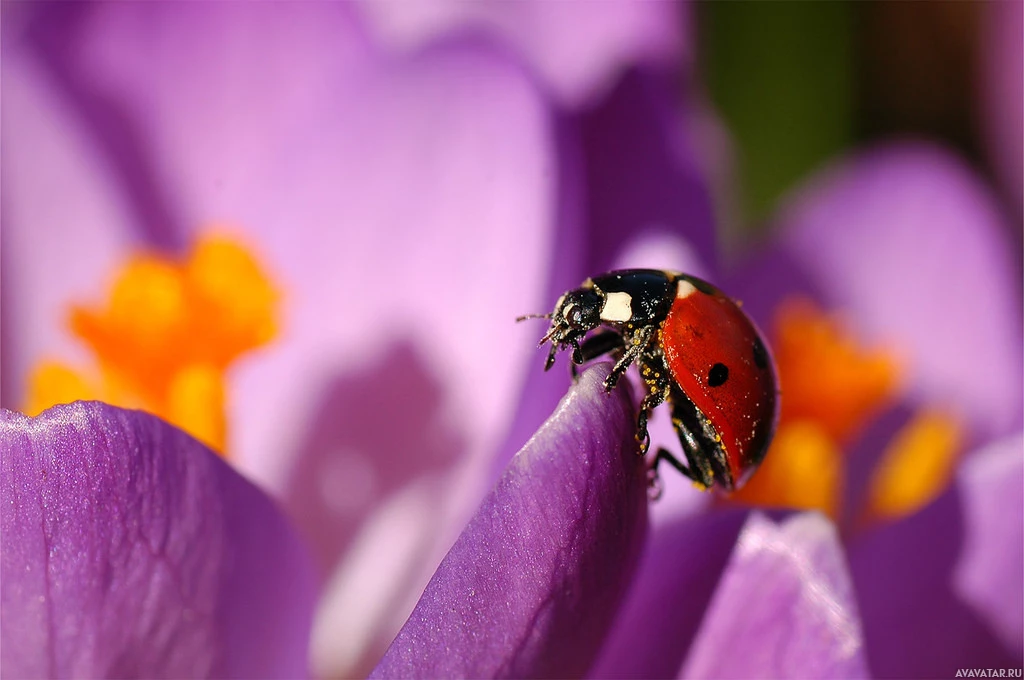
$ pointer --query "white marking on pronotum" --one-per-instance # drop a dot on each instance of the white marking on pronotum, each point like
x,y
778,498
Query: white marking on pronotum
x,y
684,289
617,307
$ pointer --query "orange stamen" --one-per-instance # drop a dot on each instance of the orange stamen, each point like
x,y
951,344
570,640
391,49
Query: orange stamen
x,y
825,376
166,335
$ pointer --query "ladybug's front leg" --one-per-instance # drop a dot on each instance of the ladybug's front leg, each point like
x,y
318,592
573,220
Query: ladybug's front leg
x,y
597,345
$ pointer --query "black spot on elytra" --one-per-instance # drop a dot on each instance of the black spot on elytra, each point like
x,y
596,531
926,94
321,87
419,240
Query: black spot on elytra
x,y
760,354
718,374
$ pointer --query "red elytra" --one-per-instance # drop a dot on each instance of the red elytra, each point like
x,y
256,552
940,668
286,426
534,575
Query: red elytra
x,y
705,328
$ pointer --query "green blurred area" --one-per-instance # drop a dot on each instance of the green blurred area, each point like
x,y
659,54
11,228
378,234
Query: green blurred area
x,y
797,83
781,76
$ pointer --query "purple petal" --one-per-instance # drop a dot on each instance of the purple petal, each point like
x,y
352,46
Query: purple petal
x,y
784,608
131,550
667,601
988,574
642,178
910,243
578,51
915,624
531,586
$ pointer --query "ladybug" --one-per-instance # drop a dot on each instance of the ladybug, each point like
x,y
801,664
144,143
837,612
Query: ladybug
x,y
696,350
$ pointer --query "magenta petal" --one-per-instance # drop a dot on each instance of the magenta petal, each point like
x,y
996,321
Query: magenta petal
x,y
532,584
129,549
784,608
988,575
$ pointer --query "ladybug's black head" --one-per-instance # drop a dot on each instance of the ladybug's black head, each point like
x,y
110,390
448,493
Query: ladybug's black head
x,y
577,312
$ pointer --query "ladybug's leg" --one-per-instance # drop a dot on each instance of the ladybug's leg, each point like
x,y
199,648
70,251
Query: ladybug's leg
x,y
597,345
639,342
659,386
651,401
686,427
663,454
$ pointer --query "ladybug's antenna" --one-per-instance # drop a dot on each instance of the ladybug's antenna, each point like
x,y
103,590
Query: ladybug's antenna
x,y
533,316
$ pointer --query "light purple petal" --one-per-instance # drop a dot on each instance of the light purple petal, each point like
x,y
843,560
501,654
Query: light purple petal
x,y
54,250
1002,83
988,574
678,573
531,586
915,624
784,607
577,50
132,550
361,181
910,244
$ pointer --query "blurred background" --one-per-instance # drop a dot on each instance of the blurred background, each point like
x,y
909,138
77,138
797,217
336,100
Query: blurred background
x,y
798,82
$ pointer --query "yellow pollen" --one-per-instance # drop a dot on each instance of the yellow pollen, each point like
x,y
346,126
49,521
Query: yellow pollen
x,y
52,382
916,465
825,376
802,470
166,335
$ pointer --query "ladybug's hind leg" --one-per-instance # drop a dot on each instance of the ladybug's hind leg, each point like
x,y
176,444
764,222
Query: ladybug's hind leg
x,y
664,454
683,420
